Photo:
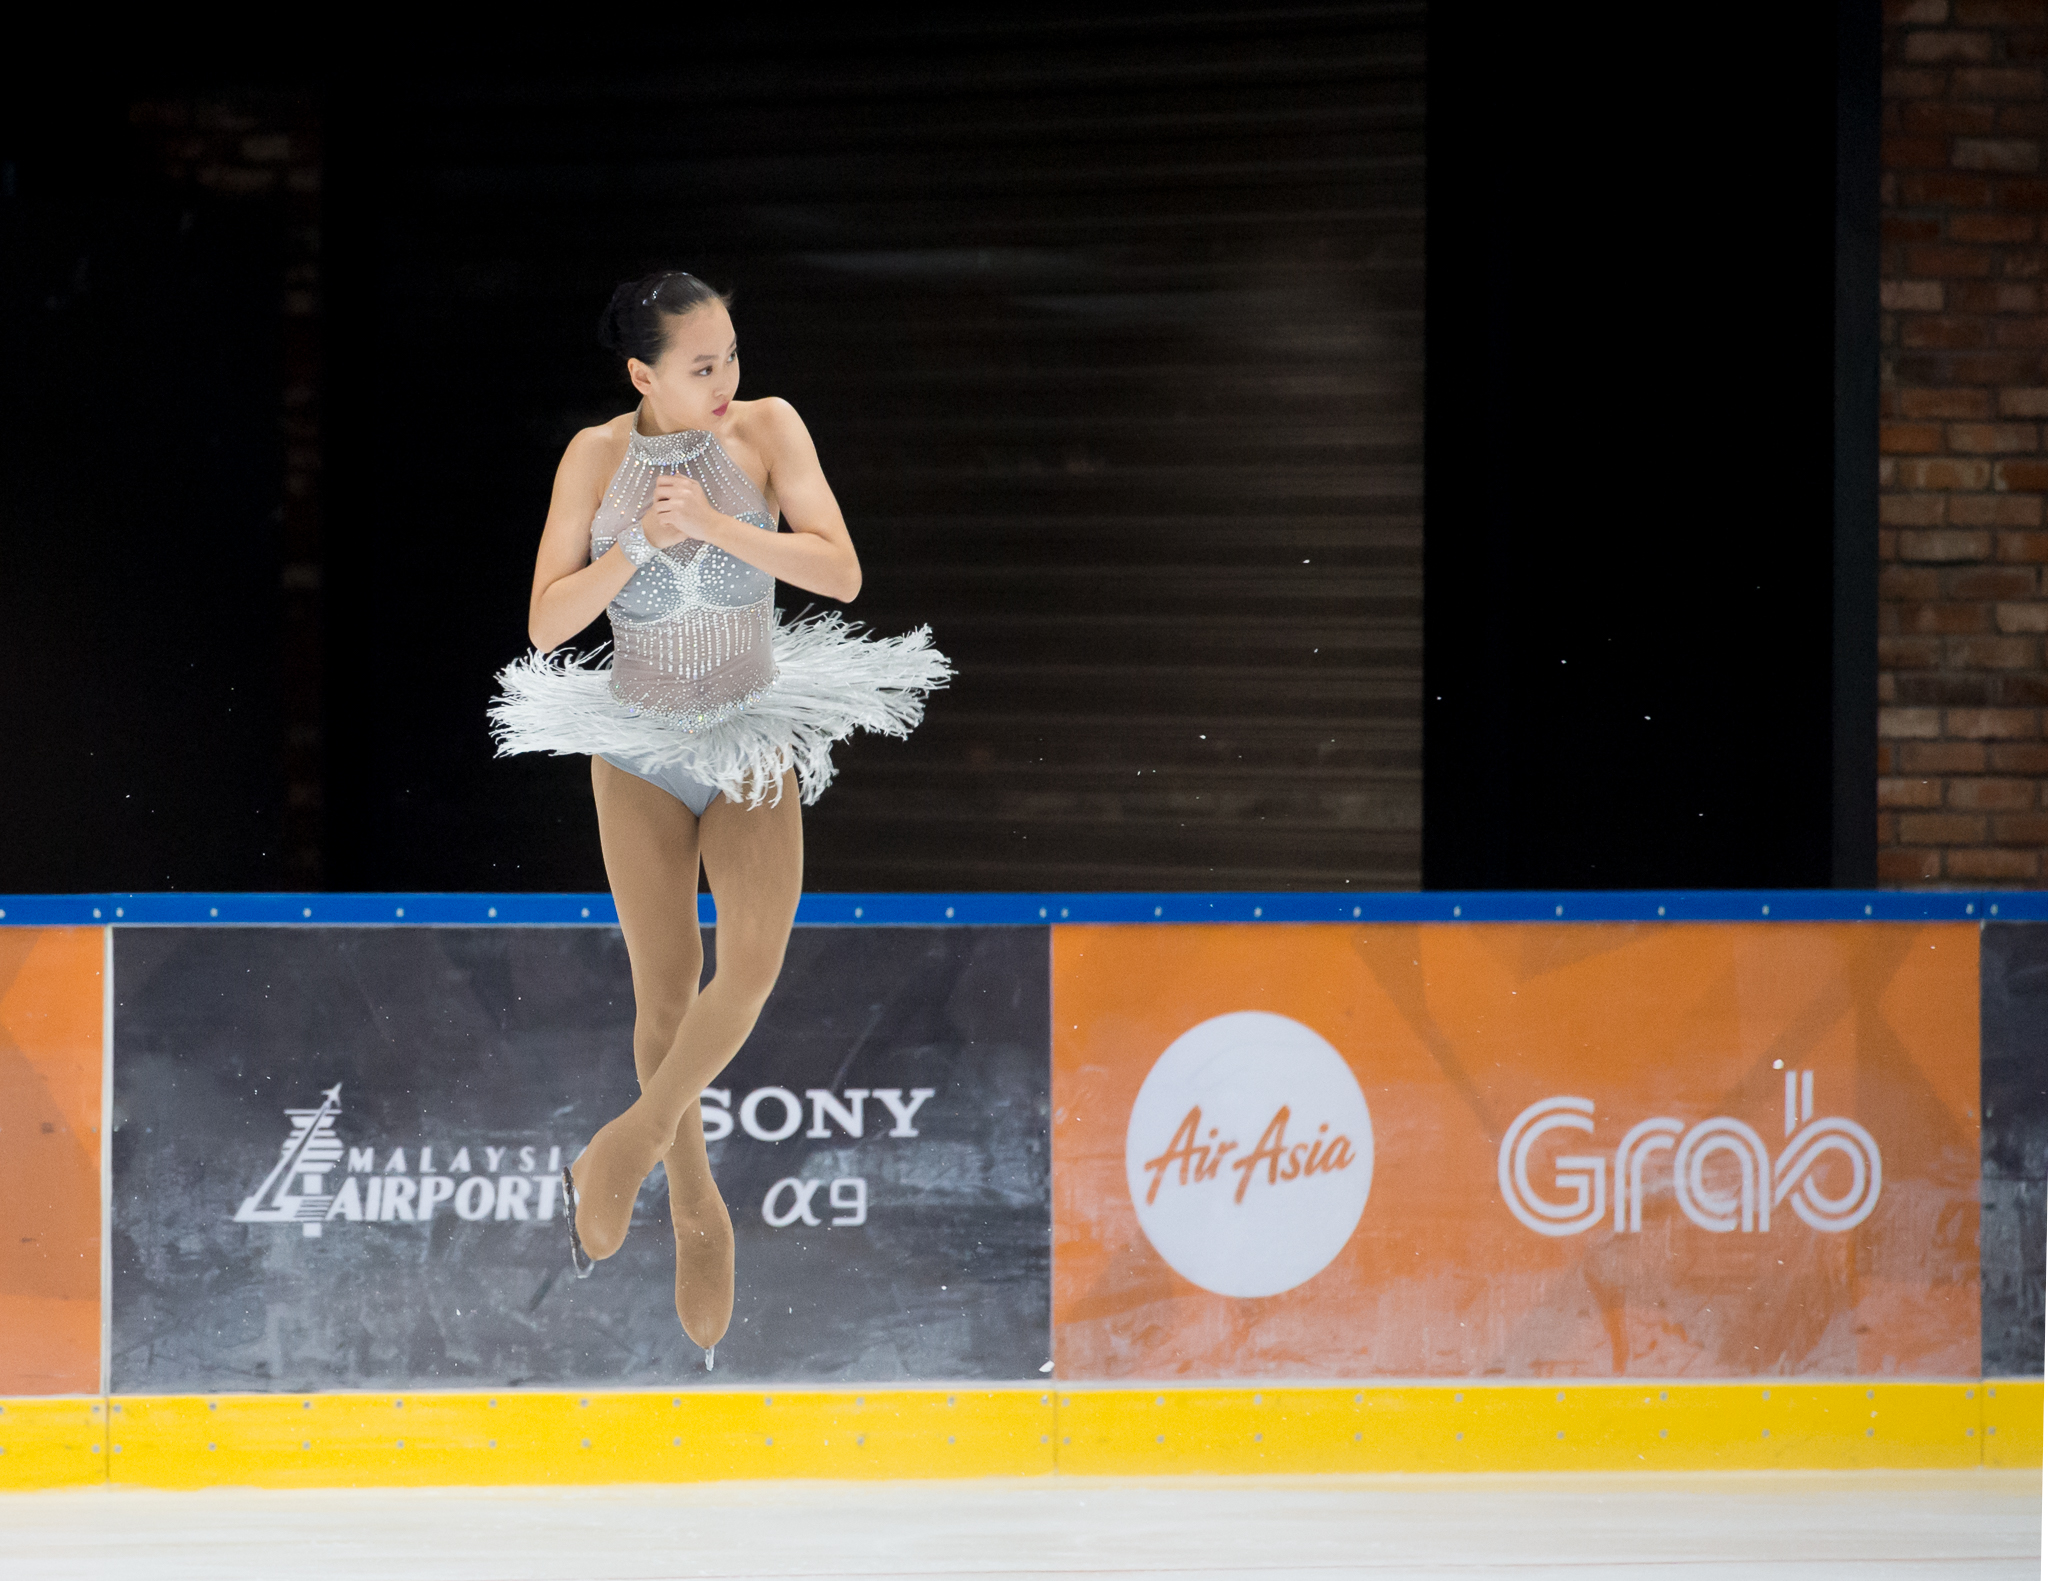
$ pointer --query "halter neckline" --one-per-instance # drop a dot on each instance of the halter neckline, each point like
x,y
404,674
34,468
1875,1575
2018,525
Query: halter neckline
x,y
667,450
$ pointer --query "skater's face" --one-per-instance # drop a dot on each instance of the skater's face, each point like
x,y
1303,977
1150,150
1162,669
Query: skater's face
x,y
692,383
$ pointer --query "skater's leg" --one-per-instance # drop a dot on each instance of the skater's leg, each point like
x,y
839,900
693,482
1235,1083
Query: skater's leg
x,y
650,845
651,859
753,857
704,1244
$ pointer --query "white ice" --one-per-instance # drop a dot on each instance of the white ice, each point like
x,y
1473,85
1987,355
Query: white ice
x,y
1815,1526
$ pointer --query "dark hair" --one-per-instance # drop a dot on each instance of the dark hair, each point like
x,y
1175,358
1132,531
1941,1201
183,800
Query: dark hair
x,y
636,320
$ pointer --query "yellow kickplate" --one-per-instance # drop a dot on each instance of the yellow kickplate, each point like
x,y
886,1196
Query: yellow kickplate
x,y
2012,1422
58,1443
324,1440
328,1440
1523,1427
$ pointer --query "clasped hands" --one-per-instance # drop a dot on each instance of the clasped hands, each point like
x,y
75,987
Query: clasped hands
x,y
680,511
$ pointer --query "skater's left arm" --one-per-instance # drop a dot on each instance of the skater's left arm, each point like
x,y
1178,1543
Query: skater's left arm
x,y
816,554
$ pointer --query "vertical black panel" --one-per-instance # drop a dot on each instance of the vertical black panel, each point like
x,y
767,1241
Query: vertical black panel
x,y
2014,968
457,1066
140,483
1630,556
1857,68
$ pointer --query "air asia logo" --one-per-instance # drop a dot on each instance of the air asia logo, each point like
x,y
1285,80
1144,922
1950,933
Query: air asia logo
x,y
1249,1154
1722,1176
383,1184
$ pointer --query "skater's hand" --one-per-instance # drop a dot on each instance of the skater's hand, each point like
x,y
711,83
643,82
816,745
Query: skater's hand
x,y
679,512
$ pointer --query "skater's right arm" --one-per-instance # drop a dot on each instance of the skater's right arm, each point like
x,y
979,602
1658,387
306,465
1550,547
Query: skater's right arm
x,y
569,591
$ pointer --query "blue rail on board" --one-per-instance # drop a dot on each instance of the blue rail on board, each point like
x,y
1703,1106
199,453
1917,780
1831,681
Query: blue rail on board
x,y
1011,909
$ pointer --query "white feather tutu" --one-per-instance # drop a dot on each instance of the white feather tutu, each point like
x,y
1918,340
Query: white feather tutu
x,y
830,681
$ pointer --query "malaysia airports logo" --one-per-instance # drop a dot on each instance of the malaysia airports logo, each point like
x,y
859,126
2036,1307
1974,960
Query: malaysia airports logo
x,y
405,1188
1249,1154
387,1184
1722,1176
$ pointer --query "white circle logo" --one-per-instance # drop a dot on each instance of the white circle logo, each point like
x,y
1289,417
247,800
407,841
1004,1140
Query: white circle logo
x,y
1249,1154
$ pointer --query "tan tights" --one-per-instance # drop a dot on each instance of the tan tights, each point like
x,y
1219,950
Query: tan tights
x,y
682,1039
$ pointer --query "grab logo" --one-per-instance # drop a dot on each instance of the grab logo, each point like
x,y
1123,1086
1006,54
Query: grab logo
x,y
1249,1154
1722,1176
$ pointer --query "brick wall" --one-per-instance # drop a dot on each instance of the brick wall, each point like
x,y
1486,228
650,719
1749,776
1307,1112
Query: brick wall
x,y
1962,687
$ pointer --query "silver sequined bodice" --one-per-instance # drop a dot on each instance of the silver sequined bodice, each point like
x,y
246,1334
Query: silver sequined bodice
x,y
691,632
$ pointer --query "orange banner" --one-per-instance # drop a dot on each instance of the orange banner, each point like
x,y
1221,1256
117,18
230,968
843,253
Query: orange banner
x,y
1515,1151
51,1050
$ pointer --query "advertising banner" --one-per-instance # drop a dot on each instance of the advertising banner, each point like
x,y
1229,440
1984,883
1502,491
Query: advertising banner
x,y
336,1155
2014,967
52,1051
1511,1151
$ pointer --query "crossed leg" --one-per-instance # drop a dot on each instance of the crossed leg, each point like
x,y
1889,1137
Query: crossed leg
x,y
683,1038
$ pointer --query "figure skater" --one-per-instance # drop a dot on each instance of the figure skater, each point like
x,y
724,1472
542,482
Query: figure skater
x,y
713,720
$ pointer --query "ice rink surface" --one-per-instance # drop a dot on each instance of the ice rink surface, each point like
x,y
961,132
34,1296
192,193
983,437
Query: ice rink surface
x,y
1816,1526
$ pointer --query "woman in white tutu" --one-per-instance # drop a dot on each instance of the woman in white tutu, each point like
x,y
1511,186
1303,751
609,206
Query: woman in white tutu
x,y
710,724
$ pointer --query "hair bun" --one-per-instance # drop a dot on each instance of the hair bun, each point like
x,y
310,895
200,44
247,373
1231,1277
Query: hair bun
x,y
611,322
635,322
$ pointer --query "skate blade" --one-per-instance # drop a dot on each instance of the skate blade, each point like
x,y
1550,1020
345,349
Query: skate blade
x,y
709,1352
579,1260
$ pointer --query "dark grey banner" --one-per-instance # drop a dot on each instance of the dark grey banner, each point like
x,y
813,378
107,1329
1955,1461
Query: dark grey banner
x,y
335,1156
2013,973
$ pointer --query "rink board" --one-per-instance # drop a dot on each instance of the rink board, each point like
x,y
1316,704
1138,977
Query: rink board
x,y
539,1438
165,1293
1768,1063
449,1073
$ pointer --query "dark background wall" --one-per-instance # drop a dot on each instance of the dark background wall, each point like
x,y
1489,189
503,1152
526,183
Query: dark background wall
x,y
1111,338
1631,654
1110,329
